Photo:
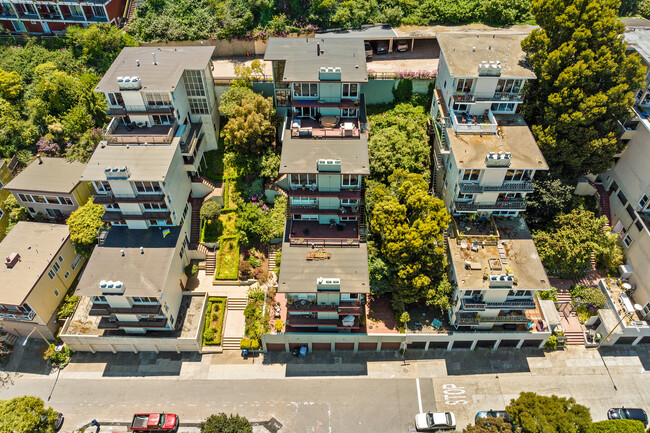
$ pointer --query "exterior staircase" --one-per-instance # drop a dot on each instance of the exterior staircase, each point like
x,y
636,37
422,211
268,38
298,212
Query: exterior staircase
x,y
574,337
275,187
273,251
195,227
210,263
603,200
233,306
8,338
131,7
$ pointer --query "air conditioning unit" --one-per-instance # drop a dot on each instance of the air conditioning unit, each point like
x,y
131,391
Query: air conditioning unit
x,y
328,283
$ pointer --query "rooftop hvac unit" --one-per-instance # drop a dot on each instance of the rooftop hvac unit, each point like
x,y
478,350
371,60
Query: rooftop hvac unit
x,y
328,165
111,287
117,172
328,283
129,83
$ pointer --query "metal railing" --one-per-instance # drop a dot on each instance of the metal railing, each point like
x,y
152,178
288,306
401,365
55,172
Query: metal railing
x,y
118,133
17,316
306,242
472,188
509,204
489,97
140,109
110,198
474,128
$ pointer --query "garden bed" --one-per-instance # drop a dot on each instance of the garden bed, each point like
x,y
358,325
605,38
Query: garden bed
x,y
228,262
257,323
214,317
211,230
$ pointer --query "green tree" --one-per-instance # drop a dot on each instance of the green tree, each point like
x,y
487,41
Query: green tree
x,y
99,44
10,84
440,296
246,74
15,132
354,13
84,224
270,164
566,247
405,317
403,91
75,122
490,425
251,130
223,423
83,149
550,198
210,210
585,82
542,414
16,212
408,225
26,414
233,98
380,273
56,87
616,426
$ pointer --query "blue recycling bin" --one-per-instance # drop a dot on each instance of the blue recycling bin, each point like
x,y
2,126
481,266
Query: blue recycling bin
x,y
303,351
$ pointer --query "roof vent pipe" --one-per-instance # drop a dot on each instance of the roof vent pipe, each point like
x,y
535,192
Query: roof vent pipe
x,y
137,62
154,58
141,250
318,49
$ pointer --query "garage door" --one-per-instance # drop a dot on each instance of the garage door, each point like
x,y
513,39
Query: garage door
x,y
344,346
625,340
390,346
367,346
645,340
532,343
321,346
275,347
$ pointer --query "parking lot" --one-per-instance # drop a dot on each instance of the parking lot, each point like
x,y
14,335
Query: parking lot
x,y
424,56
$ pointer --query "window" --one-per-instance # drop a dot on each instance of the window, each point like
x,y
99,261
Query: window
x,y
627,240
67,274
114,99
147,186
65,201
306,111
99,299
102,186
196,91
465,197
303,201
60,259
464,85
25,198
461,108
471,175
144,300
343,218
75,262
166,308
643,201
507,195
159,99
350,90
162,119
349,112
349,202
305,217
2,213
519,175
38,198
56,267
31,210
303,179
154,206
54,213
507,107
621,197
350,180
76,11
51,274
56,293
305,90
98,11
472,293
509,86
19,26
613,187
519,293
186,243
171,319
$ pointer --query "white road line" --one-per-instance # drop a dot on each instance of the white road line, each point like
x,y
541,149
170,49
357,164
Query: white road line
x,y
417,384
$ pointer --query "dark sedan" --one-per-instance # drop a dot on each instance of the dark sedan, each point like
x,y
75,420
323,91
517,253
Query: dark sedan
x,y
627,413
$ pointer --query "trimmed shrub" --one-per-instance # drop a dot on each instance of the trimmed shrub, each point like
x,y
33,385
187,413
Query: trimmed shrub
x,y
209,334
551,343
245,343
245,270
616,426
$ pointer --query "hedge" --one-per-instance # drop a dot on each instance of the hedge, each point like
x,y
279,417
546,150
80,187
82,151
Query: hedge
x,y
222,304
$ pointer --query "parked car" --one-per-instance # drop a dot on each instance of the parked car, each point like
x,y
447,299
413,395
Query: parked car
x,y
382,47
402,46
494,414
368,48
434,421
627,413
59,421
154,422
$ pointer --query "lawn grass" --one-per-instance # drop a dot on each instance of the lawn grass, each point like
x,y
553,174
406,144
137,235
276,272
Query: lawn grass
x,y
217,305
228,263
214,164
211,230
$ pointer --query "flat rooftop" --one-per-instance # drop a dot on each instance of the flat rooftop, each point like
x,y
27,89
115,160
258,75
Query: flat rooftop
x,y
518,253
37,244
53,175
300,155
639,40
463,52
299,275
162,76
303,60
144,162
470,150
143,274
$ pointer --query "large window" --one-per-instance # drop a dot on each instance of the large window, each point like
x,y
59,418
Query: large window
x,y
102,186
503,107
98,11
465,197
303,201
306,111
196,91
157,99
464,85
154,206
147,186
305,90
76,262
509,86
643,201
349,202
350,90
303,179
471,175
115,99
519,175
349,112
162,119
350,180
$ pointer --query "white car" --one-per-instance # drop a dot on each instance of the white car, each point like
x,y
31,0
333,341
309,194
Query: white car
x,y
434,421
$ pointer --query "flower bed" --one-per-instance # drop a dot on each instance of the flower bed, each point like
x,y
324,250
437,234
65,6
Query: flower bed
x,y
228,263
214,321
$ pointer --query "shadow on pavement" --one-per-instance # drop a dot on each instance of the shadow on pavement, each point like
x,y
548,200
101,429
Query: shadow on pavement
x,y
28,358
641,351
139,364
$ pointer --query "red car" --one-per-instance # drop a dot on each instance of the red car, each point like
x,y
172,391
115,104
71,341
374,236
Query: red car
x,y
154,422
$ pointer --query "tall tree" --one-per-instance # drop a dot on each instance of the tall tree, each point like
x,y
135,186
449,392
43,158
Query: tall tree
x,y
535,413
251,130
550,198
99,44
408,225
26,414
84,224
585,82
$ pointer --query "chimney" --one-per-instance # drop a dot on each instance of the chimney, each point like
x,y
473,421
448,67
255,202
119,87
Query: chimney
x,y
40,160
318,49
12,259
154,58
141,250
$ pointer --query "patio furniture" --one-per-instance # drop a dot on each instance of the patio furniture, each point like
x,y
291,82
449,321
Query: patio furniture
x,y
329,121
436,323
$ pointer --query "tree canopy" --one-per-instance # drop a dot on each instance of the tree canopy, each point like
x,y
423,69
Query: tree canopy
x,y
407,225
550,198
585,82
566,247
251,129
84,224
25,415
543,414
616,426
223,423
490,425
98,45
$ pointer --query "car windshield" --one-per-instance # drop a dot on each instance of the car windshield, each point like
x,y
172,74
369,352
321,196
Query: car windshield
x,y
162,421
430,419
448,418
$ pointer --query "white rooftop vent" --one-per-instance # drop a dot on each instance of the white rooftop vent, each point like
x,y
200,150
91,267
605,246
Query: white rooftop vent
x,y
502,280
328,283
501,159
117,172
489,68
129,83
111,287
329,165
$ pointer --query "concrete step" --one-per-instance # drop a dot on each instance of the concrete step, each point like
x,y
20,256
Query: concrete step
x,y
237,303
230,343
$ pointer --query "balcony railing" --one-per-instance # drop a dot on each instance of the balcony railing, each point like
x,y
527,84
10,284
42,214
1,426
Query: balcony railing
x,y
107,323
481,125
473,188
468,98
26,317
350,194
117,132
343,308
138,198
471,305
149,215
314,210
140,109
307,321
509,204
326,102
106,310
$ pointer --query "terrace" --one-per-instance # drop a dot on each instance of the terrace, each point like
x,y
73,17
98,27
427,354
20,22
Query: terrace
x,y
622,303
315,210
110,198
465,123
325,127
119,132
313,233
118,216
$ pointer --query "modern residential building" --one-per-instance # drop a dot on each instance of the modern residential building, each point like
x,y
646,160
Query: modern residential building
x,y
40,266
146,175
51,17
485,155
5,177
51,187
324,274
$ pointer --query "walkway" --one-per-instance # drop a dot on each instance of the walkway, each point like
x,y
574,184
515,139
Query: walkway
x,y
573,329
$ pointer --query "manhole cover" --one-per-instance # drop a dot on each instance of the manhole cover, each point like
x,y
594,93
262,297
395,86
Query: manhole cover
x,y
406,369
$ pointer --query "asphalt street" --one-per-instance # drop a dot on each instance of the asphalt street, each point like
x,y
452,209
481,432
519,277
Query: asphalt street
x,y
382,397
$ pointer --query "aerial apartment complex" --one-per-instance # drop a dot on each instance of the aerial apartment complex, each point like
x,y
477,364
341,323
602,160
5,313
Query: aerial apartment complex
x,y
51,17
324,160
485,161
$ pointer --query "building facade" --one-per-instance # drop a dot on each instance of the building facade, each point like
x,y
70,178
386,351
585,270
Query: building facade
x,y
324,275
52,17
51,187
5,177
40,266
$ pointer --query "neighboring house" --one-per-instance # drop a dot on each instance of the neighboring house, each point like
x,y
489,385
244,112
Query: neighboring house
x,y
485,155
42,18
324,160
145,174
5,178
51,187
485,158
40,266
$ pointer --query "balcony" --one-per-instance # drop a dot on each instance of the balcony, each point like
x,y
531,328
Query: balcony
x,y
472,305
191,138
470,98
326,127
314,210
110,198
139,110
106,310
7,13
119,132
297,191
473,320
308,233
110,216
503,204
312,321
326,102
475,188
5,314
464,123
344,308
107,323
